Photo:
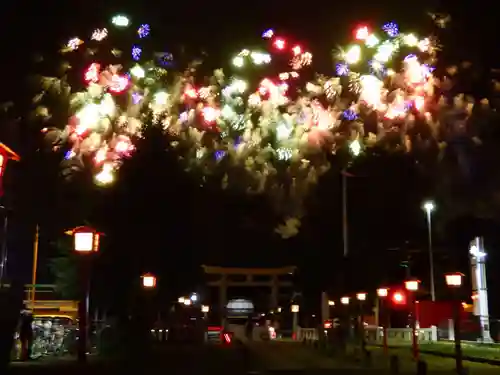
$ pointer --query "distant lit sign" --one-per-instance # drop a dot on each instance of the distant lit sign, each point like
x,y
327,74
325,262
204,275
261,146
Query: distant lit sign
x,y
238,307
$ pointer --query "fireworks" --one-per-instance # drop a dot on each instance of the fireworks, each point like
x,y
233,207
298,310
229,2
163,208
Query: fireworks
x,y
262,136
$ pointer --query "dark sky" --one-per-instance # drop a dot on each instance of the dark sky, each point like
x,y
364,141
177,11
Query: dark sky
x,y
158,220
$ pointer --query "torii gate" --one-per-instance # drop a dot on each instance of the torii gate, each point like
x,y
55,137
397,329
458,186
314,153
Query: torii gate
x,y
225,281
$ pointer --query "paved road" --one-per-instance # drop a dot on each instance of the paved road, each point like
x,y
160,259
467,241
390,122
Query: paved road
x,y
174,359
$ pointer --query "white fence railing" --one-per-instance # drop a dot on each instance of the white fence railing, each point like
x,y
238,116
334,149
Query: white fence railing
x,y
375,335
398,336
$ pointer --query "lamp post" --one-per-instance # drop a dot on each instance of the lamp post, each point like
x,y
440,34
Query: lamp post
x,y
86,242
295,311
382,294
6,154
361,297
429,208
205,309
454,282
412,287
181,300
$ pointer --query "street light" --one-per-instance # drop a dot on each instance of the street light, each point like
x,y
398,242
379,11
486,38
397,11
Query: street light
x,y
344,300
181,300
295,312
382,294
454,282
148,281
331,303
205,309
361,297
428,208
412,287
85,242
187,302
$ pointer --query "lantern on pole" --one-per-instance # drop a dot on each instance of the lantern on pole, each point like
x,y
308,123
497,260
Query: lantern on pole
x,y
382,294
295,323
148,281
85,242
412,287
85,239
454,282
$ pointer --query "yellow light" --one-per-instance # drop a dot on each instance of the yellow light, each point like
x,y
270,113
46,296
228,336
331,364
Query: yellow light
x,y
106,175
331,303
353,55
382,292
411,40
84,242
361,296
412,285
295,308
138,72
454,279
238,61
344,300
205,309
148,281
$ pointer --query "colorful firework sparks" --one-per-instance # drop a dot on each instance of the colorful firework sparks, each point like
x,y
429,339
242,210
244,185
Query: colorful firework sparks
x,y
265,129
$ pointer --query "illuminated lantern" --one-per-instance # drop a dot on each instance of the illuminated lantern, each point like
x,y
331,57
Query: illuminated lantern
x,y
86,239
6,154
148,281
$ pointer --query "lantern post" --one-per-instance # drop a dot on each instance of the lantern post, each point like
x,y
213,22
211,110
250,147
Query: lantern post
x,y
412,287
6,154
295,311
454,282
382,294
85,243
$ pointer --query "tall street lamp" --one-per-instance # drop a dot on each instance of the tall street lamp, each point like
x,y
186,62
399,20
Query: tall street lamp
x,y
412,288
454,282
429,207
85,243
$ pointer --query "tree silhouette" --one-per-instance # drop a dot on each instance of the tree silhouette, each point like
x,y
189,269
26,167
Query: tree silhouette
x,y
64,268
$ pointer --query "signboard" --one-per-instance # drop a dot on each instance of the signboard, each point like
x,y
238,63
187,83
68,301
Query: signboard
x,y
239,308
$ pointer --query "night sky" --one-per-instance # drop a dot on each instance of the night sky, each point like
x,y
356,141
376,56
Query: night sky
x,y
157,219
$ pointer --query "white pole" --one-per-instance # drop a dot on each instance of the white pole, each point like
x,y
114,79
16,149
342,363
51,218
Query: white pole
x,y
479,287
